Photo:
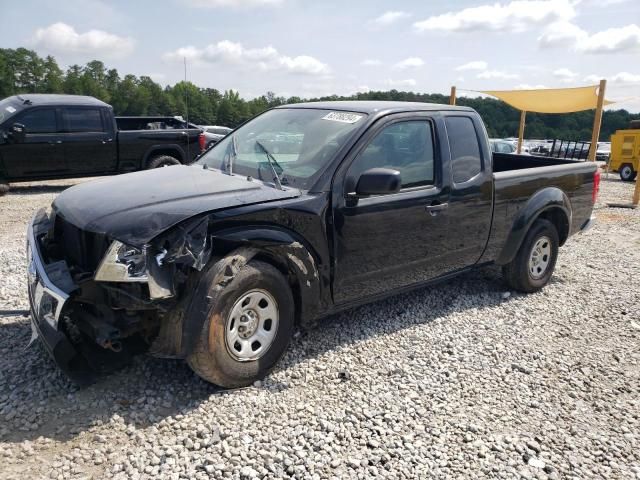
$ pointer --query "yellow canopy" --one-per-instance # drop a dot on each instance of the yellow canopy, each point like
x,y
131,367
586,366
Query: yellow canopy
x,y
550,100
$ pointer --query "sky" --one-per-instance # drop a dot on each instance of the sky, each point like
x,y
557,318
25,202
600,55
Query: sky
x,y
312,48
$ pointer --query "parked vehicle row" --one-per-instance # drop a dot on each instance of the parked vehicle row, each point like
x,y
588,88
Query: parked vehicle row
x,y
63,136
216,262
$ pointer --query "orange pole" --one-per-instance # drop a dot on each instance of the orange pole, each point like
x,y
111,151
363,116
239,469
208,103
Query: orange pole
x,y
597,121
452,98
523,116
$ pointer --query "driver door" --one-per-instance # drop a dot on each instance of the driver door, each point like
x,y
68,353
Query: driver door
x,y
41,153
386,242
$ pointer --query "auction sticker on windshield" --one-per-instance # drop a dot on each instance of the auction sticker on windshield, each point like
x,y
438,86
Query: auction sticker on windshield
x,y
344,117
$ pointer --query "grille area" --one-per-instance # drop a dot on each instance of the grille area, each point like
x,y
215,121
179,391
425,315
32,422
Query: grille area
x,y
81,249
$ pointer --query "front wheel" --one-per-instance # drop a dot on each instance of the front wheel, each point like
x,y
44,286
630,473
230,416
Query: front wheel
x,y
627,174
535,261
4,187
248,327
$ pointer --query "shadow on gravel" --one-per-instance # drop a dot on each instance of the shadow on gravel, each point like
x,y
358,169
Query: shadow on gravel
x,y
37,400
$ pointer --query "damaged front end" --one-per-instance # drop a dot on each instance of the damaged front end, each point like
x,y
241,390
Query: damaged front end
x,y
97,301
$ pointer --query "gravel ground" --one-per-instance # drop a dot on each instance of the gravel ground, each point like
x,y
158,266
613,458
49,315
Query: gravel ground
x,y
462,380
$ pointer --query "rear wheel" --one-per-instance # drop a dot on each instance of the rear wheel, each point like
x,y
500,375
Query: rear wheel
x,y
248,327
535,261
4,187
627,174
163,161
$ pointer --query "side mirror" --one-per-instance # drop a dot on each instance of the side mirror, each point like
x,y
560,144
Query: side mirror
x,y
378,181
18,132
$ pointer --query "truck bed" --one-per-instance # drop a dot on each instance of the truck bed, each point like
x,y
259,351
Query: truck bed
x,y
518,177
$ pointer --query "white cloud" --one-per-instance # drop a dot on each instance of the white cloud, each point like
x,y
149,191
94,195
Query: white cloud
x,y
234,3
387,18
408,82
411,62
371,62
515,16
497,74
621,78
565,75
526,86
475,65
265,58
611,40
62,38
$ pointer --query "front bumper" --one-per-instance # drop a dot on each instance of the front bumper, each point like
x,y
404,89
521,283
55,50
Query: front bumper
x,y
588,224
47,301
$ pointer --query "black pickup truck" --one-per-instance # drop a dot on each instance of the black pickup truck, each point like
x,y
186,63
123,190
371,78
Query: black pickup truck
x,y
217,262
62,136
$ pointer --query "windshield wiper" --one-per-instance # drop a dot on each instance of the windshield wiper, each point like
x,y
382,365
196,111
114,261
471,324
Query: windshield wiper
x,y
232,156
272,163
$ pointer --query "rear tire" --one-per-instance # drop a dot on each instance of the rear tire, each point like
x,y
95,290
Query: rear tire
x,y
224,353
163,161
535,261
627,174
4,187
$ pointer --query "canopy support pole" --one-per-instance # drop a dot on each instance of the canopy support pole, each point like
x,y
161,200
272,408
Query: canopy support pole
x,y
597,121
452,97
636,192
523,116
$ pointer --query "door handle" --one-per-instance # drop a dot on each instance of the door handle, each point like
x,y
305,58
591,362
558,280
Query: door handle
x,y
108,140
436,208
57,142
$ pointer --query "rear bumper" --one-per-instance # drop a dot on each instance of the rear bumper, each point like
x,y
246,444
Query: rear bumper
x,y
588,224
47,301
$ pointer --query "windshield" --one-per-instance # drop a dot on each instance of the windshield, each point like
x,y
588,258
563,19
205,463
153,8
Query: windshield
x,y
301,142
9,107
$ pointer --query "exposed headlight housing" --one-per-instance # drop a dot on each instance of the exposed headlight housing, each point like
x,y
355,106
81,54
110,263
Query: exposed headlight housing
x,y
123,263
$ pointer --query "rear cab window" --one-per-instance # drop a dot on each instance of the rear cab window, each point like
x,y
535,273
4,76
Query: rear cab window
x,y
466,156
82,120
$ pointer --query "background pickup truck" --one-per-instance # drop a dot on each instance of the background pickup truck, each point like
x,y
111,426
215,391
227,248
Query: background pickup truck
x,y
61,136
303,211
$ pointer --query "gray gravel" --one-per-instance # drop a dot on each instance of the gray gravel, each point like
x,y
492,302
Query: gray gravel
x,y
460,380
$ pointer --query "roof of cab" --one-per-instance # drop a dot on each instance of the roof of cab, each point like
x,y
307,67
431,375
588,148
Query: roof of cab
x,y
56,99
373,106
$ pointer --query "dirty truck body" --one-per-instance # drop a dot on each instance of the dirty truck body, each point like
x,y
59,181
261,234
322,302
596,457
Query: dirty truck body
x,y
304,211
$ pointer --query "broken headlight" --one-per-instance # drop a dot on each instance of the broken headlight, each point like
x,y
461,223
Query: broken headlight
x,y
123,263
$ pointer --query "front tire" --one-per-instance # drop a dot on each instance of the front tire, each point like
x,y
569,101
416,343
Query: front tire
x,y
627,174
163,161
4,187
248,327
535,261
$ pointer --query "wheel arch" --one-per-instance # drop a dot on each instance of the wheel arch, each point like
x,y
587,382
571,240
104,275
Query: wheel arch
x,y
551,204
158,150
233,249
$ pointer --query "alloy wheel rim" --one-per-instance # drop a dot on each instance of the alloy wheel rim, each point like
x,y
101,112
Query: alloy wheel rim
x,y
626,171
251,325
540,258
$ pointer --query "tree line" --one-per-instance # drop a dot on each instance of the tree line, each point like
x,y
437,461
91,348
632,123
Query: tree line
x,y
24,71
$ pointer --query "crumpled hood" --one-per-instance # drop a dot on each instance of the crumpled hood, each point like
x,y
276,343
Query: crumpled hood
x,y
136,207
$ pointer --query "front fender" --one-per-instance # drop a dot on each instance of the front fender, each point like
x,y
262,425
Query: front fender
x,y
541,201
275,245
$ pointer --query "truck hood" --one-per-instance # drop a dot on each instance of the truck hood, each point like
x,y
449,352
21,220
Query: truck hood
x,y
136,207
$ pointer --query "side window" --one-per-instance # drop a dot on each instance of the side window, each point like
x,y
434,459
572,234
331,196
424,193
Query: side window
x,y
42,120
403,146
466,161
82,120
